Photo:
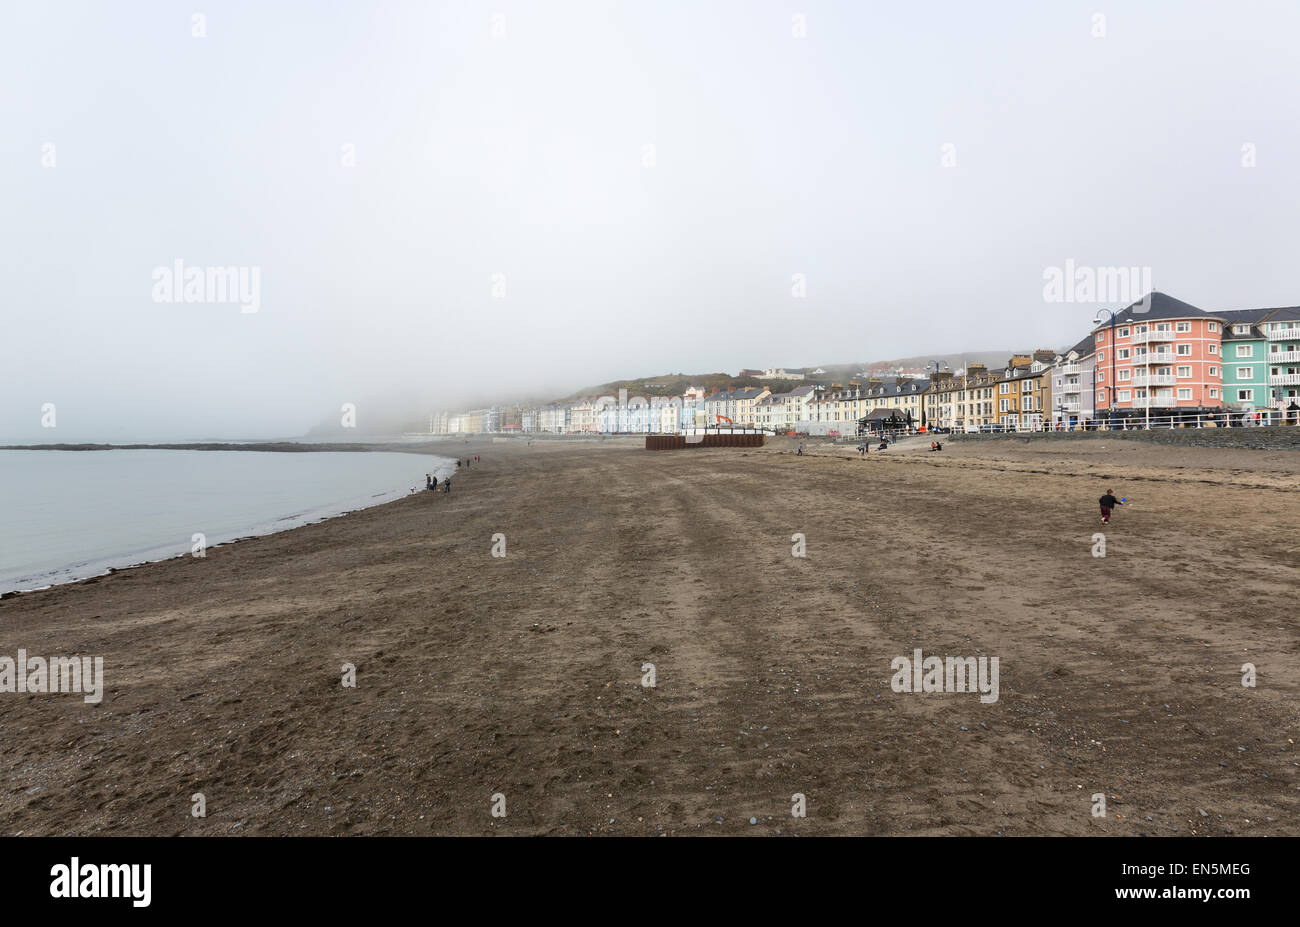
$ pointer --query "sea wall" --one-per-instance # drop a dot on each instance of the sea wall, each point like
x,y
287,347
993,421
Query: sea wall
x,y
1283,438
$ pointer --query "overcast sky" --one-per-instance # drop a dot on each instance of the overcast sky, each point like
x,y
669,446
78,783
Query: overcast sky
x,y
647,177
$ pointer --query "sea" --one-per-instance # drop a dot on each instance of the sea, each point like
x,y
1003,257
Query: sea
x,y
68,515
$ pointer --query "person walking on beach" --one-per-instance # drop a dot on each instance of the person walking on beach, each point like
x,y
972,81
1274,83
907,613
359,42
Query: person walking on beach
x,y
799,453
428,481
1108,503
446,485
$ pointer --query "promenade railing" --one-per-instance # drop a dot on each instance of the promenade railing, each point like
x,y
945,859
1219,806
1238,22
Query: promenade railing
x,y
1260,418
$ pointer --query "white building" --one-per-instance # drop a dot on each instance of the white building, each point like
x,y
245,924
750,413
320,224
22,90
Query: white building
x,y
781,412
1073,390
780,373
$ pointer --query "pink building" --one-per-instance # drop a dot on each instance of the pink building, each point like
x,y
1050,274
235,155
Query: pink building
x,y
1163,361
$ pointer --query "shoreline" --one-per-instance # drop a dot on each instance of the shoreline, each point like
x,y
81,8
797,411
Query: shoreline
x,y
421,446
522,674
266,447
98,567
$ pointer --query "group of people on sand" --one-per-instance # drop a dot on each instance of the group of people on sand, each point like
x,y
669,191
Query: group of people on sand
x,y
431,483
864,448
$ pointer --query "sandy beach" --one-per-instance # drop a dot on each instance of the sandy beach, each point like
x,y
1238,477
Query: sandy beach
x,y
521,675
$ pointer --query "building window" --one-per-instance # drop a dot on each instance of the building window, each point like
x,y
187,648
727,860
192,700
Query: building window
x,y
1245,373
1245,395
1245,350
1214,394
1213,372
1213,326
1121,353
1186,348
1004,405
1214,348
1241,329
1123,395
1184,393
1184,371
1101,357
1182,326
1101,337
1125,374
1123,332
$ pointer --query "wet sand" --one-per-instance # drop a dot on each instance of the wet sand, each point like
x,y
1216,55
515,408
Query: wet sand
x,y
521,675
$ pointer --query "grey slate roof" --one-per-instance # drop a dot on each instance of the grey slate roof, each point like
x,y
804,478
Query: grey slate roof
x,y
1085,347
1162,306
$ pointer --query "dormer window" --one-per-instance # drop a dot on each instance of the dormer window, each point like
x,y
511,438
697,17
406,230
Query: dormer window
x,y
1241,329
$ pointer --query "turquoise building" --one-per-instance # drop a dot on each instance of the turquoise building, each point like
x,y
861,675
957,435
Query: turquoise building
x,y
1261,358
1282,337
1245,360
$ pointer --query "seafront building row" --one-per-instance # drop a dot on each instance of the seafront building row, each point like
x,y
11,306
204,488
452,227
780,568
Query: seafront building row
x,y
1160,359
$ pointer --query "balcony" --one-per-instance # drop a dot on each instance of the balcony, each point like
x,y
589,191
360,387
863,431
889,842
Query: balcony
x,y
1072,408
1284,334
1155,402
1154,337
1155,379
1284,379
1071,370
1155,357
1284,357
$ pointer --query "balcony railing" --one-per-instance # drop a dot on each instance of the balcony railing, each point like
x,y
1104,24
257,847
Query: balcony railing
x,y
1071,370
1284,357
1284,334
1284,379
1154,402
1155,357
1069,407
1155,379
1151,337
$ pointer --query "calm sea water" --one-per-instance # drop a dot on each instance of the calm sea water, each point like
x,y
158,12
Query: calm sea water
x,y
67,515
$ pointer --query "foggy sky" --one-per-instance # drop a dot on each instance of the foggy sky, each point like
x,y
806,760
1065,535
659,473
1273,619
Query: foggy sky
x,y
526,155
